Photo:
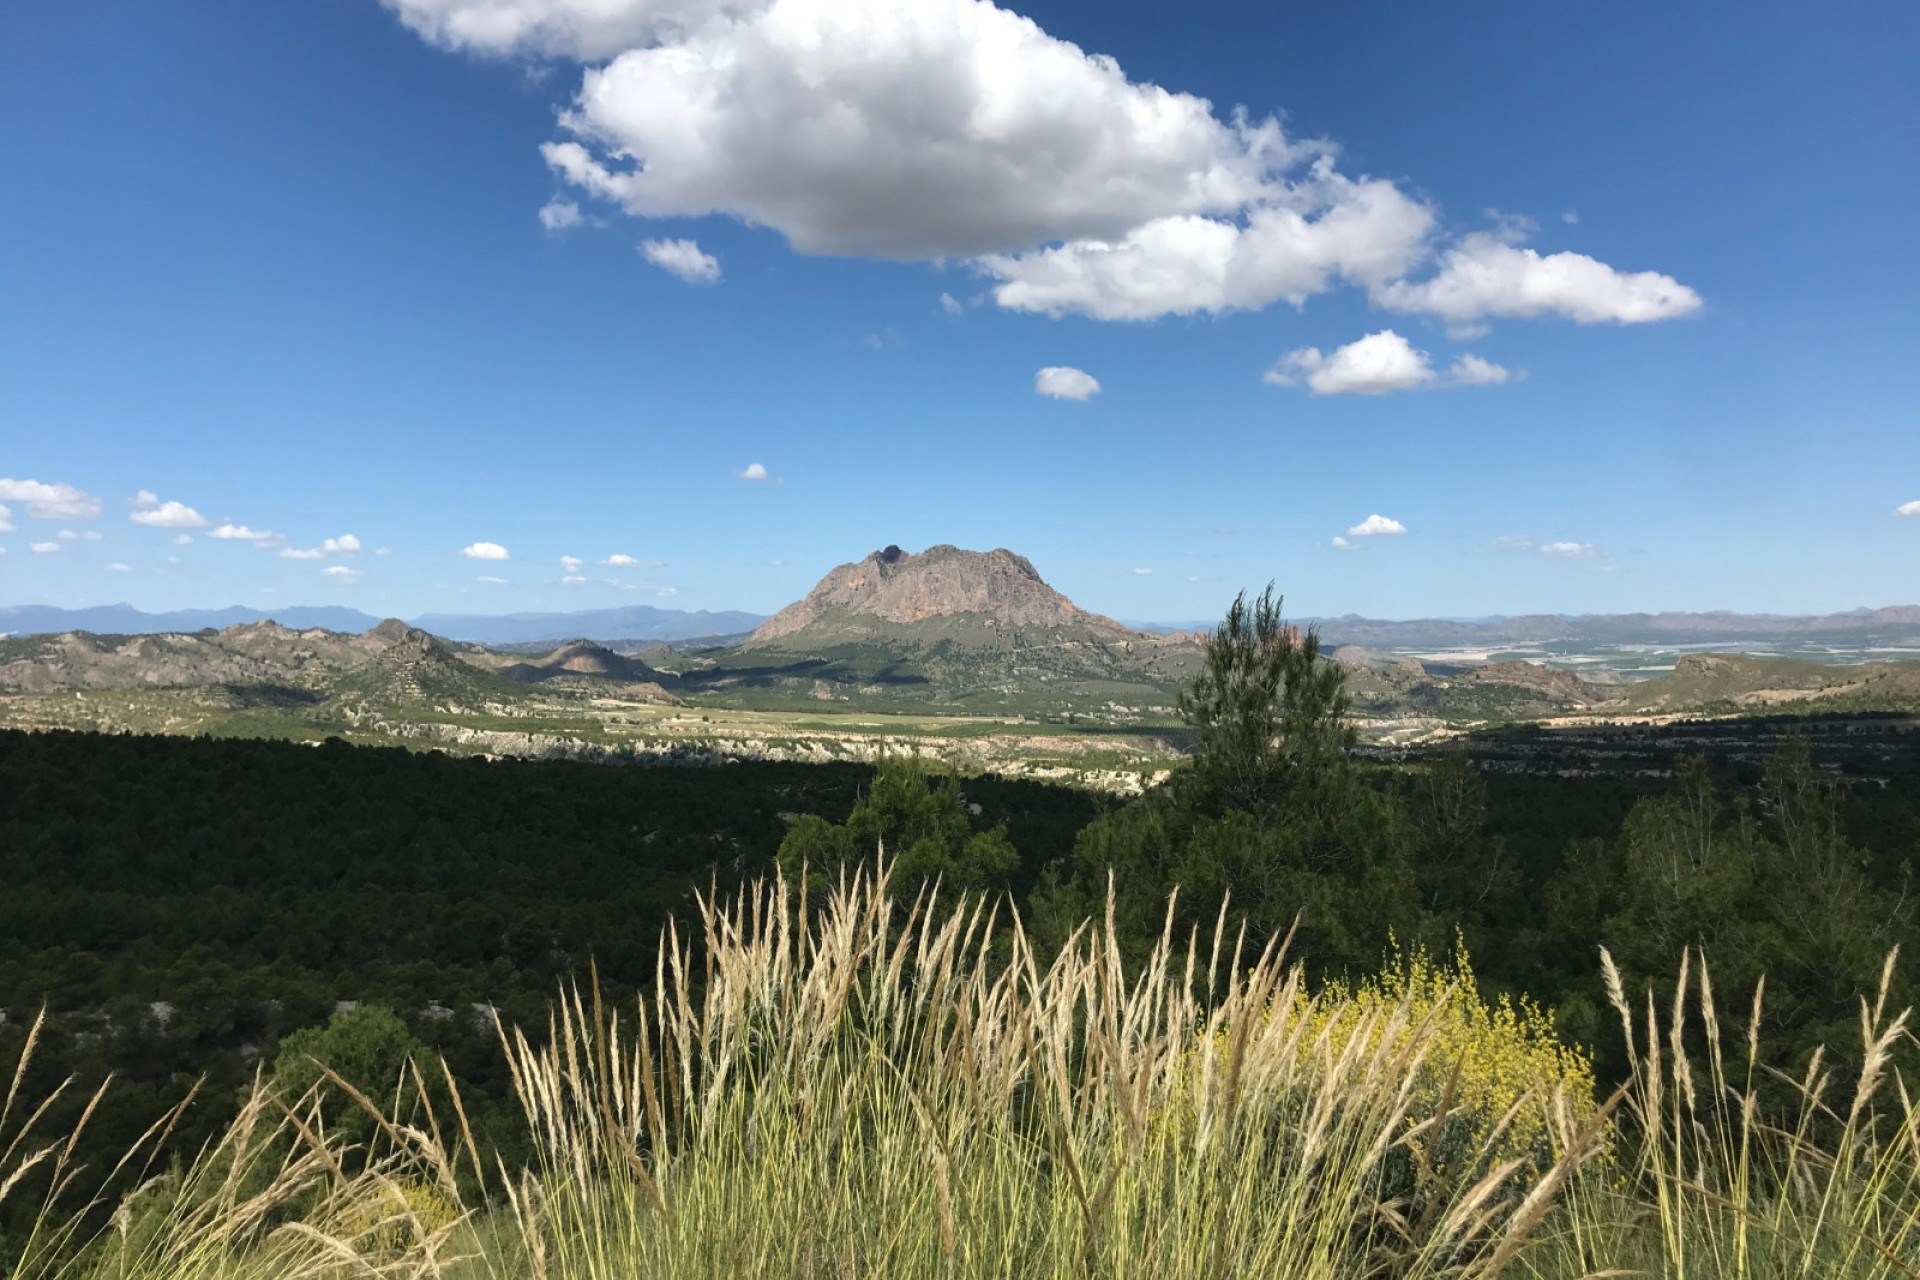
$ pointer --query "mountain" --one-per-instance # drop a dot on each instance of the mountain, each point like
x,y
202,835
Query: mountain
x,y
635,622
125,620
1899,623
585,659
947,630
391,661
977,598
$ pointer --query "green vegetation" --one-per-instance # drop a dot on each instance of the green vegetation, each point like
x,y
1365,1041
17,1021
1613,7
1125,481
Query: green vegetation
x,y
1273,816
875,1089
919,819
253,939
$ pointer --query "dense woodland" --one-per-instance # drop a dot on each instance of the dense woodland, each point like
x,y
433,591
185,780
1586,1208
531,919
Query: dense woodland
x,y
196,909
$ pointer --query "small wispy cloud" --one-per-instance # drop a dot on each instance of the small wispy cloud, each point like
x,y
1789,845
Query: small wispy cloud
x,y
1513,542
952,305
50,501
1376,526
571,563
1906,509
485,551
150,511
302,553
752,471
182,539
682,258
492,582
1064,382
1343,544
43,548
346,575
230,532
558,215
620,561
1377,365
1143,571
1472,371
1571,550
119,567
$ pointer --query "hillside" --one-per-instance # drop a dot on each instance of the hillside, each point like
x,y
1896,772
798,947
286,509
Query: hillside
x,y
972,630
1725,681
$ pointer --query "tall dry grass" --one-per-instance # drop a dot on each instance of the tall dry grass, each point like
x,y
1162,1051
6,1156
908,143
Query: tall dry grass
x,y
862,1088
1719,1182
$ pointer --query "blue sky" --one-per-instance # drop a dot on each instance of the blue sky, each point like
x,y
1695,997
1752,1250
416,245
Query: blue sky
x,y
737,290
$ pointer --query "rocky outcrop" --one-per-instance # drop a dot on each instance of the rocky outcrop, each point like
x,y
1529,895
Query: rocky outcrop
x,y
1540,679
903,589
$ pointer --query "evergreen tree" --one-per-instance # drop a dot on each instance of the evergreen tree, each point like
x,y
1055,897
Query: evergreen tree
x,y
1271,816
923,822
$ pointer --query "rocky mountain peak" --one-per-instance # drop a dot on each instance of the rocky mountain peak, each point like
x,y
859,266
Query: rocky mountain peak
x,y
900,587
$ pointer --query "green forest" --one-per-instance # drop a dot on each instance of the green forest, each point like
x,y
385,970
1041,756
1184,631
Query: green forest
x,y
193,912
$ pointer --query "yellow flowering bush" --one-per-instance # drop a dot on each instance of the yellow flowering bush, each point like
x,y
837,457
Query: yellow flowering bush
x,y
1495,1080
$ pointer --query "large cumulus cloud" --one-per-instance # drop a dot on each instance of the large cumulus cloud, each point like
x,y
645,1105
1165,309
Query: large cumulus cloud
x,y
935,130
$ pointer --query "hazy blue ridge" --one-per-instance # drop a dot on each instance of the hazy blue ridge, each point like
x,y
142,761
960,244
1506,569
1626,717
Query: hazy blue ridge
x,y
637,622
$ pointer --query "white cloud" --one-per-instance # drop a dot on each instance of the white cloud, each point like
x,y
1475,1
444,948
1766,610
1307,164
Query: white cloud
x,y
346,575
1143,571
492,582
572,579
1342,544
1376,526
1472,371
150,511
937,130
43,548
1513,542
1571,550
182,539
485,551
618,561
118,567
344,545
232,532
1571,217
559,215
752,471
1908,508
1326,230
299,553
66,535
6,520
682,258
1064,382
952,305
1488,275
1370,366
50,501
571,563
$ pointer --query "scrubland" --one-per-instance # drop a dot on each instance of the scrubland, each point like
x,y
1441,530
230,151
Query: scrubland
x,y
859,1085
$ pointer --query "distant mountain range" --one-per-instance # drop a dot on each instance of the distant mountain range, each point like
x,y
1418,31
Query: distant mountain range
x,y
853,598
945,632
1893,624
635,622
